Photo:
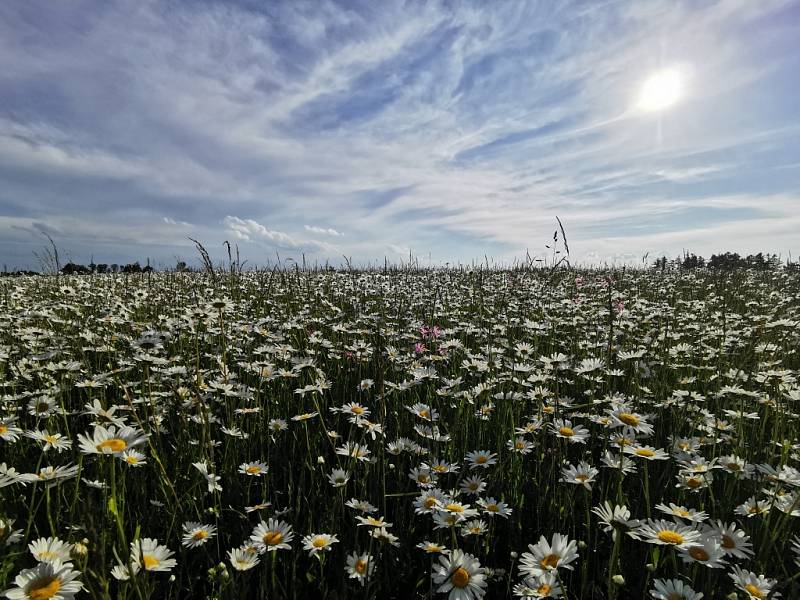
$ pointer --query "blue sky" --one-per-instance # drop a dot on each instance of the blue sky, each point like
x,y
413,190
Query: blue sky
x,y
452,130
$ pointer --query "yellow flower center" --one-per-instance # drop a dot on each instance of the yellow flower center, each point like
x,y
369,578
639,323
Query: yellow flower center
x,y
253,469
644,452
519,445
424,414
566,431
430,502
727,542
481,459
50,439
460,578
676,596
3,429
628,419
681,512
424,478
318,542
46,555
548,409
150,562
697,553
357,410
132,460
200,534
112,445
754,591
550,561
43,589
454,507
582,477
734,467
361,566
670,537
544,590
492,507
273,538
694,482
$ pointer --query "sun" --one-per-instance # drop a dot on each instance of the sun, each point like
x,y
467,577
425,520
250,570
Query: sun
x,y
661,90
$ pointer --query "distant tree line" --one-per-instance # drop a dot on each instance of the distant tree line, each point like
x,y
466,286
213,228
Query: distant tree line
x,y
727,261
72,268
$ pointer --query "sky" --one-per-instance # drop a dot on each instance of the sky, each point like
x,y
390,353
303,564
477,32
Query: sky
x,y
447,131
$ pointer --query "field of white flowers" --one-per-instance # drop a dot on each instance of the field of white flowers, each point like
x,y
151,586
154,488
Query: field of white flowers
x,y
400,434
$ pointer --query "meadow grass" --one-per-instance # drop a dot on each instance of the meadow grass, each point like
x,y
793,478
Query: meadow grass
x,y
400,434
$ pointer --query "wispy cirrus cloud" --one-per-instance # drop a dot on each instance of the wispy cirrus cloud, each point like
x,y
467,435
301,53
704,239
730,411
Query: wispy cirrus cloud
x,y
452,129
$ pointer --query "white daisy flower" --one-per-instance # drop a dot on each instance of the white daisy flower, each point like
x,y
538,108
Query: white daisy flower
x,y
242,559
360,567
706,552
111,440
197,534
733,542
318,542
460,576
54,580
757,587
673,589
272,535
547,556
149,555
583,474
253,469
667,533
50,550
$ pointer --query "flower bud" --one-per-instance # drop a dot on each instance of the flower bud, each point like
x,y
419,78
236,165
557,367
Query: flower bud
x,y
80,549
618,579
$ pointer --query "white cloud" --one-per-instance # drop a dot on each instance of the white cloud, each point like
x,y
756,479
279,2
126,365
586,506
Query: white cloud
x,y
248,229
169,221
323,230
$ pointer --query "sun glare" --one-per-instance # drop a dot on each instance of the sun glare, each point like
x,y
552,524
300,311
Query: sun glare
x,y
661,90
